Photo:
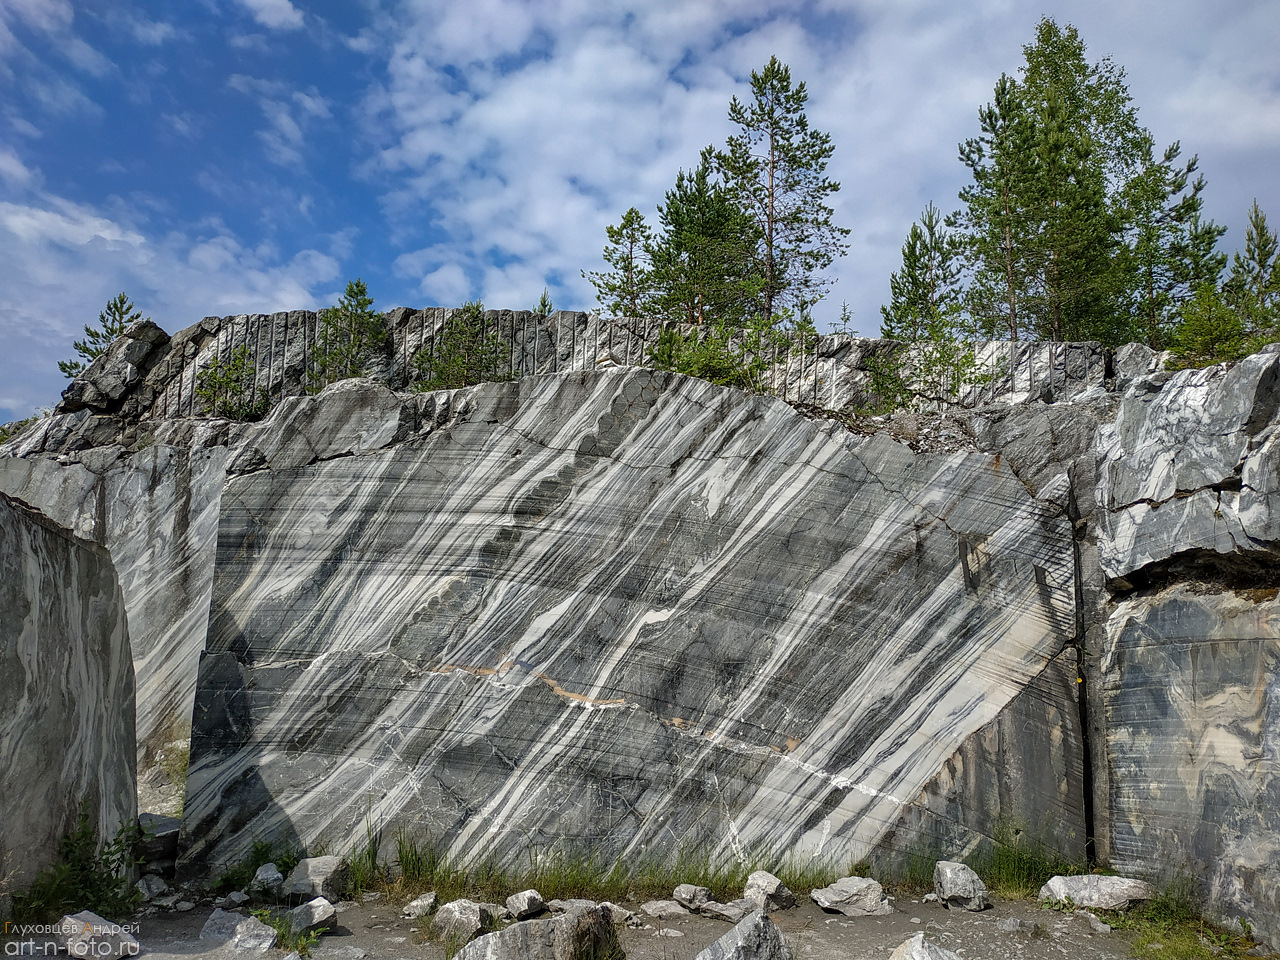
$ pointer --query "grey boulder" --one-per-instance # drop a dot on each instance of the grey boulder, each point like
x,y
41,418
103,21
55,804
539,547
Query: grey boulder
x,y
854,897
584,933
311,916
958,886
691,897
86,934
918,948
317,877
733,911
242,934
423,906
525,904
755,937
267,880
768,893
464,920
664,909
1097,893
151,886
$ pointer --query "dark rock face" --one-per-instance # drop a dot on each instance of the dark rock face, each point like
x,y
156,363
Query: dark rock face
x,y
452,620
66,717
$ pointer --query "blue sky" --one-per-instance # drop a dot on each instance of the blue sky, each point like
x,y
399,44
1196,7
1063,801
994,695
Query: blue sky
x,y
234,156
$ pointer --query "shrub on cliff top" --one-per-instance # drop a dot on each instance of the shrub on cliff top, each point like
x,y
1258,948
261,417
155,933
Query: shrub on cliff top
x,y
351,334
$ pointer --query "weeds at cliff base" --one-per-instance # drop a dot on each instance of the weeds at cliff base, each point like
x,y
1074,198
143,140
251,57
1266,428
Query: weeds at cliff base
x,y
1172,927
263,852
89,875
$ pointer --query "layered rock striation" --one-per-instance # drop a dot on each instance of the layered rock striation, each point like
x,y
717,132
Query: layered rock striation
x,y
66,714
620,608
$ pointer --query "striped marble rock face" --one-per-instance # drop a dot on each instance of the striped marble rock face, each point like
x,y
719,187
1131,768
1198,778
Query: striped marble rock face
x,y
66,711
622,610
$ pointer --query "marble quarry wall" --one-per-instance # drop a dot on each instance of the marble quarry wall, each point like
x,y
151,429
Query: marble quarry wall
x,y
66,714
615,607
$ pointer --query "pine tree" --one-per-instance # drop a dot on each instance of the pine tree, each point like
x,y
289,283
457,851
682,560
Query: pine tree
x,y
1209,331
464,355
119,315
926,289
774,169
351,334
1168,251
1253,287
702,260
994,217
627,289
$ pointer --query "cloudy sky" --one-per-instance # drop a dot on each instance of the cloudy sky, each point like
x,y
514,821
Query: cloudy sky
x,y
241,156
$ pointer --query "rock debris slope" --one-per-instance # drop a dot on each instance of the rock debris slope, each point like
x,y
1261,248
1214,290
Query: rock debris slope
x,y
66,712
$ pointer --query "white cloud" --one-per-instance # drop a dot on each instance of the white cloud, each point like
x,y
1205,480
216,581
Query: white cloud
x,y
276,14
14,172
288,112
176,278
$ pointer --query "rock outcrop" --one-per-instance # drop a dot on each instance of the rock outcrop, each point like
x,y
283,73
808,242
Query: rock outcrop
x,y
66,715
491,587
622,608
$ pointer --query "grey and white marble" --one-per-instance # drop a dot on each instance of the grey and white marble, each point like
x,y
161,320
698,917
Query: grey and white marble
x,y
452,617
1193,736
66,712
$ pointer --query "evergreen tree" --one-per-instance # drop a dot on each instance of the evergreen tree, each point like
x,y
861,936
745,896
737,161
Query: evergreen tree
x,y
774,169
1169,251
119,315
1253,287
464,354
702,261
1209,331
926,290
351,334
626,290
994,216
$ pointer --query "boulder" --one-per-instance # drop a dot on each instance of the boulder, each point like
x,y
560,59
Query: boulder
x,y
151,886
584,933
732,912
619,915
755,937
691,897
267,880
311,916
242,934
423,906
958,886
1097,893
464,920
317,877
159,837
768,893
918,948
525,904
664,910
86,934
854,897
562,906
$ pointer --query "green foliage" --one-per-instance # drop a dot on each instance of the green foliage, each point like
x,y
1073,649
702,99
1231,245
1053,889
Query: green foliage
x,y
720,352
286,939
262,852
1208,332
703,268
1253,287
625,290
1017,864
926,291
463,353
351,335
119,315
774,169
1172,927
10,430
227,388
544,306
89,875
